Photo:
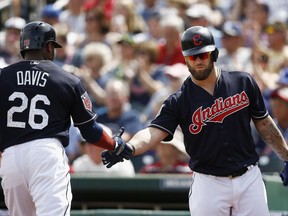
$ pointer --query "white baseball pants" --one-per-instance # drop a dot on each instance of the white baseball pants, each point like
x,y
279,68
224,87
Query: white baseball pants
x,y
223,196
35,179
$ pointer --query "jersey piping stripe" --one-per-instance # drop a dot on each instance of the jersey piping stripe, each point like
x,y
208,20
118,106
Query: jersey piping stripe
x,y
260,117
86,121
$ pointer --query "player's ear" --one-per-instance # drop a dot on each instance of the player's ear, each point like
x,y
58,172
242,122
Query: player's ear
x,y
50,47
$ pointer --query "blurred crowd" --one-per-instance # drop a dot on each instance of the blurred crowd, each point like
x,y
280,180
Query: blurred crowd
x,y
128,55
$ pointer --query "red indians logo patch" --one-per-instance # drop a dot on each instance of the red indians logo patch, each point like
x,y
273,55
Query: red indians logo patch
x,y
219,110
26,43
86,101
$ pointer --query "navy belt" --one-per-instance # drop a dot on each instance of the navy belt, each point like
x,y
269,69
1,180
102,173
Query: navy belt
x,y
241,171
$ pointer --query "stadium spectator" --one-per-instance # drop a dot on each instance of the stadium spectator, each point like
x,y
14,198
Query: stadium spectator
x,y
133,21
117,111
9,50
180,6
73,16
283,77
175,74
149,76
124,57
63,56
91,162
233,54
172,27
254,24
50,14
277,46
154,30
201,14
148,9
97,58
97,26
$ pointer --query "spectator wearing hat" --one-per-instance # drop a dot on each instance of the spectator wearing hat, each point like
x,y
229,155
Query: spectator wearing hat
x,y
233,54
175,74
181,6
124,63
201,14
50,14
277,46
9,50
148,8
171,157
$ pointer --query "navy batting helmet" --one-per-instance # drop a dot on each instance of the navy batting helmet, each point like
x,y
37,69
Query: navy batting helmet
x,y
35,35
196,40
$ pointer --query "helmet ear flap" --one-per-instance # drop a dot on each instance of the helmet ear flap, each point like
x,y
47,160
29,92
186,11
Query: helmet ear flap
x,y
215,54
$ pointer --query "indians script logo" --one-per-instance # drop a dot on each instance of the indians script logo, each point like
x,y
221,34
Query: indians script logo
x,y
218,111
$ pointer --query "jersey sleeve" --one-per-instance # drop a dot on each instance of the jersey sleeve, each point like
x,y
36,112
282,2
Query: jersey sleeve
x,y
257,106
167,118
82,110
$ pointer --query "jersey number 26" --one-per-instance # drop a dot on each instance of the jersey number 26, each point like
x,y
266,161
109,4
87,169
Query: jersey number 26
x,y
33,111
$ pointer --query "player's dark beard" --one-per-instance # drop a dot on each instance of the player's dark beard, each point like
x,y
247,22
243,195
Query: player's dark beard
x,y
201,74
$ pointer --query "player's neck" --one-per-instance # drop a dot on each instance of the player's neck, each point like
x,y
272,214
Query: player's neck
x,y
209,83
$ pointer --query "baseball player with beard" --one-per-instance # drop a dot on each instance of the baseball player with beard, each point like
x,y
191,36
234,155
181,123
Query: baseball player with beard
x,y
37,101
214,109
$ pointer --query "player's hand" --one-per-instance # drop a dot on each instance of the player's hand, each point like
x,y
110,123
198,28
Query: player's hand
x,y
122,150
284,174
109,158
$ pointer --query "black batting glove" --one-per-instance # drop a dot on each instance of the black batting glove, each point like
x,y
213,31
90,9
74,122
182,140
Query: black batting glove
x,y
109,158
122,150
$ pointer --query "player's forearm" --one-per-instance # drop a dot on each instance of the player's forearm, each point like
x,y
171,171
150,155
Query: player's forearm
x,y
272,136
146,139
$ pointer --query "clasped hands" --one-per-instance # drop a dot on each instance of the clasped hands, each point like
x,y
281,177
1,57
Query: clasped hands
x,y
121,151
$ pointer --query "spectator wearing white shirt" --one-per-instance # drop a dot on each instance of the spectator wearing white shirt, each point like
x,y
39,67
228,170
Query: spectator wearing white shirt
x,y
91,161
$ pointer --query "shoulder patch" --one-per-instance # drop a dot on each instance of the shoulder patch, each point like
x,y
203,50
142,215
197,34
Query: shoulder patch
x,y
86,101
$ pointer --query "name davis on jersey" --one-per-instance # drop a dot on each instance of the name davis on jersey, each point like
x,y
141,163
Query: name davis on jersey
x,y
36,78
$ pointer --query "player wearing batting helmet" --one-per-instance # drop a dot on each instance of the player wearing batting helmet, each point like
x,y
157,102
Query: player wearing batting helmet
x,y
214,109
37,101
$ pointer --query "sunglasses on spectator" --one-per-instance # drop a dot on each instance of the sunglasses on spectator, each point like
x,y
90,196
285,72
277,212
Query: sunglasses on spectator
x,y
202,56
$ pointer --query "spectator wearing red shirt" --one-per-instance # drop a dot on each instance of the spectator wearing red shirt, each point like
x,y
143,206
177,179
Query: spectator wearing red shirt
x,y
170,48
